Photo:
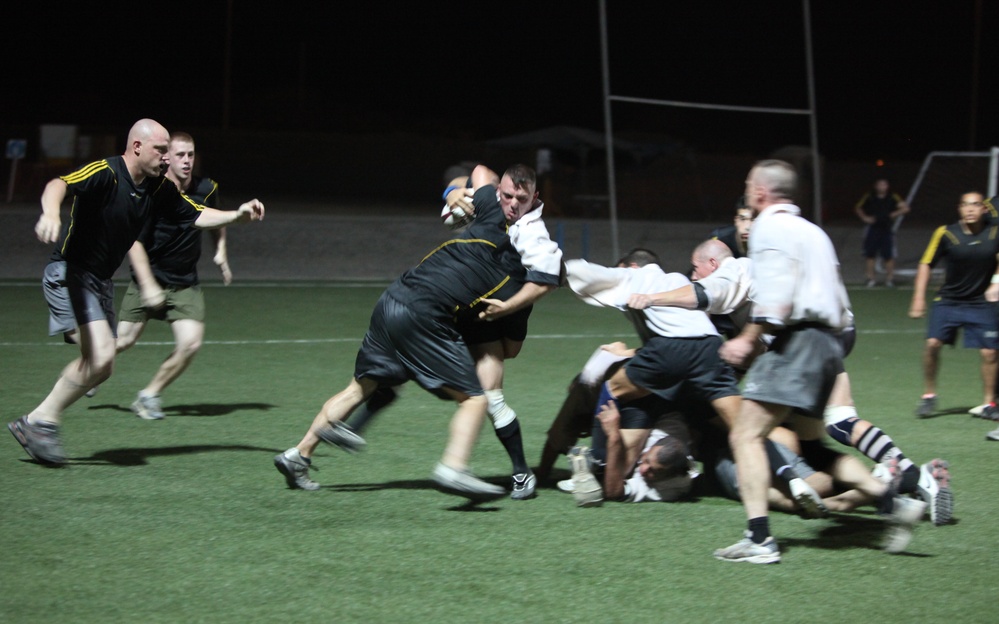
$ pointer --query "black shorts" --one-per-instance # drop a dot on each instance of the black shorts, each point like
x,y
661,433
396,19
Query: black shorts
x,y
879,242
403,344
663,363
510,327
92,298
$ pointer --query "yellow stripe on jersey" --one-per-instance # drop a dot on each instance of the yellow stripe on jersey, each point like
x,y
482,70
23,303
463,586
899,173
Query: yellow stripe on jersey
x,y
458,240
931,249
85,172
485,296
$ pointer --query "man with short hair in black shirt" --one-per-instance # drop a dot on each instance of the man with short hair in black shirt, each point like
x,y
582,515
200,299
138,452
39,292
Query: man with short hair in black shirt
x,y
113,201
966,300
167,276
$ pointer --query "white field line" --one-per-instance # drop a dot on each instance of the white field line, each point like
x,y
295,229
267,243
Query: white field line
x,y
322,341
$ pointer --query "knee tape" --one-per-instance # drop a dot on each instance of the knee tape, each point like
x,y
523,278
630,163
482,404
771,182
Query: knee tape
x,y
500,413
839,421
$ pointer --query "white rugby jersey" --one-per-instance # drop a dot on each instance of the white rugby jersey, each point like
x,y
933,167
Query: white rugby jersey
x,y
538,252
795,271
611,286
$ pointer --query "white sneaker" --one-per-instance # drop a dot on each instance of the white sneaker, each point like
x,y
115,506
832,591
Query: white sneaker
x,y
993,435
977,411
934,488
464,483
901,523
750,552
808,499
586,490
565,486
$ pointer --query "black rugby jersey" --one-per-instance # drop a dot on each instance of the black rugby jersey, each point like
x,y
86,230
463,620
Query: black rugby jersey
x,y
970,260
879,207
481,263
109,213
174,244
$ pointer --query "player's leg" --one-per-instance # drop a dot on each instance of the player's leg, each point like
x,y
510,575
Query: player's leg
x,y
188,336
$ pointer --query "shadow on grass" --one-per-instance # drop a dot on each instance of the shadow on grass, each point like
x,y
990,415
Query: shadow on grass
x,y
947,412
466,504
848,532
194,410
140,456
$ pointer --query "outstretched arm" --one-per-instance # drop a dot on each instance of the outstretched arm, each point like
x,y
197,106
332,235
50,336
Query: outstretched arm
x,y
211,218
683,297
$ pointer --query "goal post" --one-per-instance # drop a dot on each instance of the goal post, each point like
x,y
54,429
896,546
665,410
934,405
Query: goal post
x,y
945,175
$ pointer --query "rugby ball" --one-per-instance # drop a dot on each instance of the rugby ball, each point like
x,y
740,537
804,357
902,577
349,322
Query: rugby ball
x,y
455,218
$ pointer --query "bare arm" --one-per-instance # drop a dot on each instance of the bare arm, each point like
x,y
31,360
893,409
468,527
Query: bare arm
x,y
741,350
49,225
917,309
901,208
221,258
211,218
524,297
616,468
149,289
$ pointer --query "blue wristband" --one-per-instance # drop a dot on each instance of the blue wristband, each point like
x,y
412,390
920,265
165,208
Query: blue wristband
x,y
448,190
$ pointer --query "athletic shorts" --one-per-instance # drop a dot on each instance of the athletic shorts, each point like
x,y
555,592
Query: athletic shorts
x,y
92,298
879,243
403,344
182,303
798,371
981,327
61,318
662,364
511,327
725,469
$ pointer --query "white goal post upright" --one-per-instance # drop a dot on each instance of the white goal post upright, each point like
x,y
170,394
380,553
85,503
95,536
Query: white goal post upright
x,y
609,133
971,178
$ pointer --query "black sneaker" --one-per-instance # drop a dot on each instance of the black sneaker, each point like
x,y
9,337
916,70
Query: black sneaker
x,y
927,406
40,441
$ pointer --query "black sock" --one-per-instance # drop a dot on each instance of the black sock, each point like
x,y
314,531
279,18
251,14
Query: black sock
x,y
759,529
778,464
512,441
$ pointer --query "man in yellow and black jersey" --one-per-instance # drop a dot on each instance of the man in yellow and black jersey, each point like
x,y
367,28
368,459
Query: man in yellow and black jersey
x,y
114,200
966,300
413,336
168,272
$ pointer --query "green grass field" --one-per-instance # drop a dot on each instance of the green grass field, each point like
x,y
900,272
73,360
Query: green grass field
x,y
186,519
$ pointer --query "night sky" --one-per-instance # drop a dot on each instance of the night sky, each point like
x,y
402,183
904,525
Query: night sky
x,y
894,79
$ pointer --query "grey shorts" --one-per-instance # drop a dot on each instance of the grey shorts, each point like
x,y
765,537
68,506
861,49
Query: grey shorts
x,y
798,371
61,319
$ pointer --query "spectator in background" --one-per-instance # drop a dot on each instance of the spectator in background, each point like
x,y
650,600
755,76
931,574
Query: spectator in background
x,y
878,209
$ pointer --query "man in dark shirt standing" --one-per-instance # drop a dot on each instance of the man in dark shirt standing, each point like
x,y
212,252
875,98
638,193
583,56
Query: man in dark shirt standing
x,y
167,276
879,209
966,300
113,201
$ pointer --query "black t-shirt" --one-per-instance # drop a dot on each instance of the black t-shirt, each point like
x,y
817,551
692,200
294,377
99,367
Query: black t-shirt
x,y
970,260
481,263
109,213
880,208
174,244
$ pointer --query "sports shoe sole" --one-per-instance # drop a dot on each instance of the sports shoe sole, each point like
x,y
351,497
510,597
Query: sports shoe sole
x,y
939,499
808,499
144,412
